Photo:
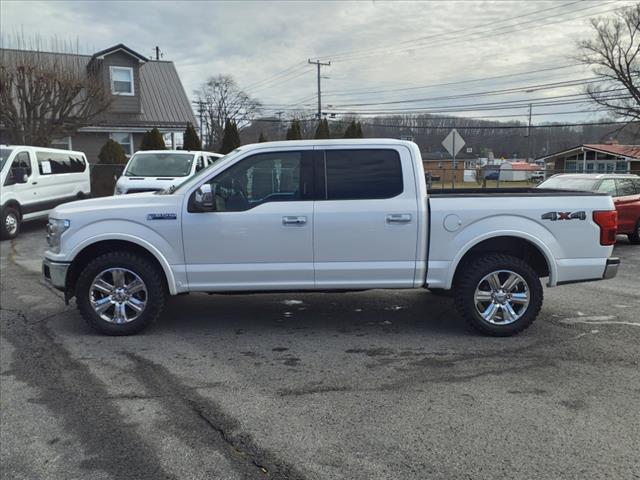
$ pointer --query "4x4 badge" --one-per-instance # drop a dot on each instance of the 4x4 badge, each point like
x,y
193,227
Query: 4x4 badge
x,y
553,216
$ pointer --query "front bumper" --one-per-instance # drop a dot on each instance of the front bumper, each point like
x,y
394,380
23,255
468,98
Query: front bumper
x,y
55,273
611,270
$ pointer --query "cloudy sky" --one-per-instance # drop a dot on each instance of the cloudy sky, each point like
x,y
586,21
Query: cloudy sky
x,y
387,57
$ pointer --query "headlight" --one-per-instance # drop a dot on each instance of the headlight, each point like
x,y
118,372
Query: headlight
x,y
55,228
118,190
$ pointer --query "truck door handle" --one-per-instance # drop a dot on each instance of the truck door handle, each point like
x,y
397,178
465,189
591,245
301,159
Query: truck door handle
x,y
399,218
34,183
294,220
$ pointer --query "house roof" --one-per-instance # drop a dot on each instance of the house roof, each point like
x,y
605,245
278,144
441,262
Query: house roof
x,y
120,48
163,100
630,151
519,166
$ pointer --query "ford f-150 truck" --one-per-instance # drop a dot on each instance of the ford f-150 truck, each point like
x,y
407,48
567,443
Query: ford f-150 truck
x,y
326,215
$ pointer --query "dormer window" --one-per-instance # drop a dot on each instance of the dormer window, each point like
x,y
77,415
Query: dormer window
x,y
121,80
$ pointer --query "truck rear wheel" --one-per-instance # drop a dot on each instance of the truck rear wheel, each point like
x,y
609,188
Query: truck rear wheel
x,y
498,295
635,236
120,293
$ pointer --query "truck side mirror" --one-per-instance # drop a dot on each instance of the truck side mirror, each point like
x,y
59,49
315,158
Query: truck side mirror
x,y
203,199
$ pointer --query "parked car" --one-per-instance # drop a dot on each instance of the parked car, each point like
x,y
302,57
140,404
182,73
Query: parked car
x,y
35,179
327,215
153,170
537,176
624,188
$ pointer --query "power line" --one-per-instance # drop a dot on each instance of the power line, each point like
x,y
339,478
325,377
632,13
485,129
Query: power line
x,y
338,55
528,88
510,29
444,84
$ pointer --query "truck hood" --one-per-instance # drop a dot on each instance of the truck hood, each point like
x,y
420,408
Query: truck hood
x,y
121,206
147,183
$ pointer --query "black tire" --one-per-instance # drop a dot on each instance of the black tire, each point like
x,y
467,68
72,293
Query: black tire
x,y
148,272
7,214
470,278
635,236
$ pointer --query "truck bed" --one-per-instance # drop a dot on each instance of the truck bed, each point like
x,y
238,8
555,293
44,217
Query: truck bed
x,y
510,192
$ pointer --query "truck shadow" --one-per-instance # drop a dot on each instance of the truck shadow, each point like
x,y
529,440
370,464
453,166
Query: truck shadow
x,y
355,313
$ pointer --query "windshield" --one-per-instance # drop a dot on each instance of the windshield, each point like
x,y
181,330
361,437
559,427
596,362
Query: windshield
x,y
160,165
202,172
568,183
4,155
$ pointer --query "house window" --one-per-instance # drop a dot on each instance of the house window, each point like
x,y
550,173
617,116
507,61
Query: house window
x,y
124,139
62,143
121,80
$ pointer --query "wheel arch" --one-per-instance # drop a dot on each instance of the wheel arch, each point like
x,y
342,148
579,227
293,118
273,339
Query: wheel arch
x,y
89,251
15,204
517,244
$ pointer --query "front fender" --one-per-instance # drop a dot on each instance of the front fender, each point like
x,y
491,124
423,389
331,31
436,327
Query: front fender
x,y
168,251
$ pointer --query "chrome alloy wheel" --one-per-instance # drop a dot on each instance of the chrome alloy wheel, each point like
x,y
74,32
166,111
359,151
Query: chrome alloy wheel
x,y
502,297
11,223
118,295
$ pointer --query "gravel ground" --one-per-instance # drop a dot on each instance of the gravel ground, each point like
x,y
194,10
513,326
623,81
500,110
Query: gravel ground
x,y
378,384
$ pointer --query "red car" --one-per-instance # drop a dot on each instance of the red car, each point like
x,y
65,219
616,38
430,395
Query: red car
x,y
625,190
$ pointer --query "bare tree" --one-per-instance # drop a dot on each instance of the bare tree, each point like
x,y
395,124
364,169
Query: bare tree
x,y
223,100
614,54
44,96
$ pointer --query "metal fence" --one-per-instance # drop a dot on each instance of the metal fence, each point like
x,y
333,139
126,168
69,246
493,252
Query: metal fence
x,y
440,178
103,178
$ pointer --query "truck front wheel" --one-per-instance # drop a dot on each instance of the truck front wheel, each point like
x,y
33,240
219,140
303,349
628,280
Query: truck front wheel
x,y
120,293
498,295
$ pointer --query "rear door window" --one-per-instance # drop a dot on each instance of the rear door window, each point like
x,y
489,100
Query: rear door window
x,y
362,174
55,163
625,187
608,186
636,182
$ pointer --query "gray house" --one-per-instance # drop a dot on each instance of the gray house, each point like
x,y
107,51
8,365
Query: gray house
x,y
146,94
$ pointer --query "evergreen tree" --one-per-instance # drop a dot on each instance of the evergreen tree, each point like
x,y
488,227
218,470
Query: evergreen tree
x,y
111,161
112,153
294,132
353,130
231,138
191,141
262,138
322,131
350,131
152,140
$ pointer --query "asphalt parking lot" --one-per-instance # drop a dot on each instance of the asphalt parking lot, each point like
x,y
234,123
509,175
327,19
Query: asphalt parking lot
x,y
378,384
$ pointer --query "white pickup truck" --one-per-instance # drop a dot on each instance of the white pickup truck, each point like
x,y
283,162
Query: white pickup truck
x,y
326,215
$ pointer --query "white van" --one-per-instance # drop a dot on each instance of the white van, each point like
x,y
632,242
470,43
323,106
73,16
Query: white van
x,y
34,180
153,170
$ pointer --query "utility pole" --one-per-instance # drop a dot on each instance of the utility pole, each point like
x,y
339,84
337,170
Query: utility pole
x,y
529,133
319,64
279,123
200,105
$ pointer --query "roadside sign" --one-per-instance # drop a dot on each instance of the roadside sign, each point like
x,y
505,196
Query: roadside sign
x,y
453,143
